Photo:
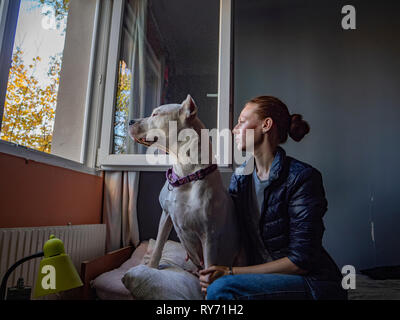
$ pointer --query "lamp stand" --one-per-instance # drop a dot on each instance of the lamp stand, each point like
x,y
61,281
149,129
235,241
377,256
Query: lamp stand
x,y
9,271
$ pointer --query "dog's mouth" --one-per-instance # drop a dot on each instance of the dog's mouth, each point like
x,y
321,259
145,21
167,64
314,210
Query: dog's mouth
x,y
145,141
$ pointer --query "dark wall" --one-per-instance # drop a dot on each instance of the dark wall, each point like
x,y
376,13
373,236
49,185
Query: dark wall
x,y
346,85
149,209
198,87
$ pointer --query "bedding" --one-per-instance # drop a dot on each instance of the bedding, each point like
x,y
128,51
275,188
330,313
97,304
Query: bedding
x,y
173,255
169,283
109,285
172,281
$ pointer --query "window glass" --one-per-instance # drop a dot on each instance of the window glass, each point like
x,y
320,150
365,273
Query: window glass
x,y
169,49
34,76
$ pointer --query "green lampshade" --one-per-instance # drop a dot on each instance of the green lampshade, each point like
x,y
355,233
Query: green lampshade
x,y
56,272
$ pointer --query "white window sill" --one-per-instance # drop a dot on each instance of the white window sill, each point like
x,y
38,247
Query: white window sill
x,y
38,156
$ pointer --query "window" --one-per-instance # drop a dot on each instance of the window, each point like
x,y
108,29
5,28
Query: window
x,y
31,97
167,49
78,71
47,56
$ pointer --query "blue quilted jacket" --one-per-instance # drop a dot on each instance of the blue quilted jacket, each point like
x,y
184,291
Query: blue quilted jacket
x,y
291,223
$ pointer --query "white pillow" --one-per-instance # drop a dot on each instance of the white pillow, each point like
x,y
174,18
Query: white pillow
x,y
173,255
108,285
173,281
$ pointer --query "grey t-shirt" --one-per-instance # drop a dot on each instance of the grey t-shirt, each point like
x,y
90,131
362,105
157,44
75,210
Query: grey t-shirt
x,y
258,199
259,188
258,191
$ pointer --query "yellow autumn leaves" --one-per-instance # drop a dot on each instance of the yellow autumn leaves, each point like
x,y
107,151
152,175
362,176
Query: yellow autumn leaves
x,y
29,109
123,98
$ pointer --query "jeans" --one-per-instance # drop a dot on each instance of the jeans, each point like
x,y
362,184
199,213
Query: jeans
x,y
259,287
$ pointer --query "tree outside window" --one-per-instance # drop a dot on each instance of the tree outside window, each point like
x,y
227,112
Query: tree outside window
x,y
33,82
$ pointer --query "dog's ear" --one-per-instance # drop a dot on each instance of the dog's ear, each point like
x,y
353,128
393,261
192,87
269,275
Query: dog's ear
x,y
188,109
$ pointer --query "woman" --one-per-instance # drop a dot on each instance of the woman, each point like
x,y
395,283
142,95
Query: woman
x,y
280,205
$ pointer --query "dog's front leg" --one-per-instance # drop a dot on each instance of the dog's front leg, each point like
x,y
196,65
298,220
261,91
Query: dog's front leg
x,y
164,229
210,251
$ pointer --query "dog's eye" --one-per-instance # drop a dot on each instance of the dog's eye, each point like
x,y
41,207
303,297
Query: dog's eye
x,y
154,114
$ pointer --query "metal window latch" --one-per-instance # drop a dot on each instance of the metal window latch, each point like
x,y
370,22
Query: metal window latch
x,y
212,95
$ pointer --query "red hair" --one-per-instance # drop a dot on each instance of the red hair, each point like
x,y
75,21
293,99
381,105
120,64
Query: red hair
x,y
286,124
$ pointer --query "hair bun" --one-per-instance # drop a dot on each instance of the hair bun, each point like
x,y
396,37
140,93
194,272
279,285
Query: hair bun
x,y
298,127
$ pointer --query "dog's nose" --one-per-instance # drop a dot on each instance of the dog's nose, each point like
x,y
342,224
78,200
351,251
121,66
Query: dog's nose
x,y
131,122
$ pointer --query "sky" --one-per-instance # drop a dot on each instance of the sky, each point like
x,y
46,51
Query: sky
x,y
38,36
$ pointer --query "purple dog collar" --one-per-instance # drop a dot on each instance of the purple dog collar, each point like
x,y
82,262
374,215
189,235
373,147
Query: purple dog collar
x,y
175,181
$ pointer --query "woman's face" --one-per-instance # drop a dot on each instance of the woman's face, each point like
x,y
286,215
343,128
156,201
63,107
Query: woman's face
x,y
248,119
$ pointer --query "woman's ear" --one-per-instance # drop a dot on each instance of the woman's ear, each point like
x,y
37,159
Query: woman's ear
x,y
267,125
188,110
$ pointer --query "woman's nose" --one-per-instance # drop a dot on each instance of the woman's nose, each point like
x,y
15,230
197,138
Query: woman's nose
x,y
234,131
131,122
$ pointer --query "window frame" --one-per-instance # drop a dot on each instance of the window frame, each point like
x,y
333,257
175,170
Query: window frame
x,y
106,160
9,12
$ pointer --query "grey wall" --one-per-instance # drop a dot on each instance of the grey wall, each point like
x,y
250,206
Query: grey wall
x,y
149,209
346,85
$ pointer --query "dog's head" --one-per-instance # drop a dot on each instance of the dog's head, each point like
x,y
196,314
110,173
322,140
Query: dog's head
x,y
156,128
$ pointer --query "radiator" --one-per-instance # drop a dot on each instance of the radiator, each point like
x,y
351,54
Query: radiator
x,y
81,242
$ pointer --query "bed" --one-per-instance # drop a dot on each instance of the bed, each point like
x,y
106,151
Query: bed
x,y
115,260
113,276
102,276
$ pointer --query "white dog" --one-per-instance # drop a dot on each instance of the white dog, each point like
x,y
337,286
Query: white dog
x,y
194,199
